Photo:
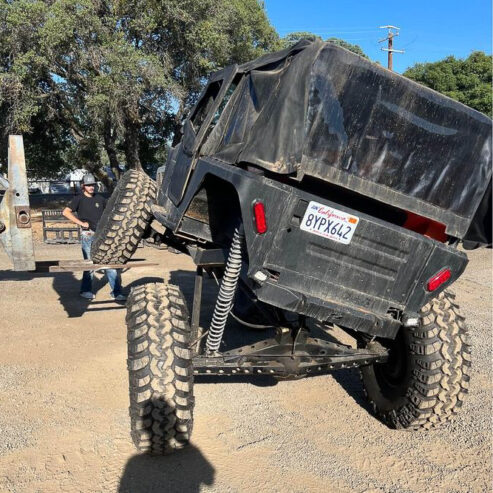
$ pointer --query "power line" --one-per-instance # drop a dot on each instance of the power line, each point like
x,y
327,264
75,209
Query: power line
x,y
392,32
327,28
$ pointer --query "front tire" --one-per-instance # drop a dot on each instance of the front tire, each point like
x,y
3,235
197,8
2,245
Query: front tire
x,y
160,368
125,219
426,378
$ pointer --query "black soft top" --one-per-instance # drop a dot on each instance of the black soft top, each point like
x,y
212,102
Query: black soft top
x,y
317,109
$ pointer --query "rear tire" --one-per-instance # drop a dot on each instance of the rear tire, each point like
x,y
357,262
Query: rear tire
x,y
125,219
426,378
160,369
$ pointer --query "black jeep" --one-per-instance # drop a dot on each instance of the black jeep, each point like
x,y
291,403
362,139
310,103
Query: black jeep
x,y
320,190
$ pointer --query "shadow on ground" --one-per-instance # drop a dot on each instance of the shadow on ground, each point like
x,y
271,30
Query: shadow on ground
x,y
66,285
351,382
184,471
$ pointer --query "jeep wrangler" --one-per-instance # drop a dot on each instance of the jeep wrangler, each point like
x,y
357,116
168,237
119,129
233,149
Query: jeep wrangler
x,y
320,190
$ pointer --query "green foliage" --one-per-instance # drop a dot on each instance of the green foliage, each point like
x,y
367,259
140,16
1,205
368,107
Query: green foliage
x,y
47,148
94,80
468,80
348,46
292,38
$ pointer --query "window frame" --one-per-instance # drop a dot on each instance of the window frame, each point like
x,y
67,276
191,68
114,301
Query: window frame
x,y
225,77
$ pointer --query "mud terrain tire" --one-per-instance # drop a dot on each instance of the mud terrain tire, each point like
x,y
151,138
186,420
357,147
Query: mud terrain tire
x,y
426,378
160,369
125,219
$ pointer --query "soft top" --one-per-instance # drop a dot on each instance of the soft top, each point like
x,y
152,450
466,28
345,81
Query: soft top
x,y
319,110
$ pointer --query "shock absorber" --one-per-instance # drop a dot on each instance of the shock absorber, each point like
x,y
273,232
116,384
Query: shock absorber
x,y
227,291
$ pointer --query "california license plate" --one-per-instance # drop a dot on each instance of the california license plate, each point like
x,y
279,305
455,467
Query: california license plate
x,y
330,223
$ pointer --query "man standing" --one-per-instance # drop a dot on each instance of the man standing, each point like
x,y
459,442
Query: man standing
x,y
89,208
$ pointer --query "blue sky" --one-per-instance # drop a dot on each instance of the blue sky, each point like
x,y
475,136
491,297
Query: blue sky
x,y
430,30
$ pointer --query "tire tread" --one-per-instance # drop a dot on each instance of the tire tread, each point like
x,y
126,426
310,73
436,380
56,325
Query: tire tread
x,y
439,382
125,219
160,381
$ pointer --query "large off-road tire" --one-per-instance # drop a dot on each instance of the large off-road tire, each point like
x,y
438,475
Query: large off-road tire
x,y
160,368
125,219
426,377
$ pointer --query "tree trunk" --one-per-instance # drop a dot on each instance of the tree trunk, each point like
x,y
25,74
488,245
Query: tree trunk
x,y
100,175
132,132
110,148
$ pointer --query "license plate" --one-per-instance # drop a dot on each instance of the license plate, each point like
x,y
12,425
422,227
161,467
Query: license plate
x,y
336,225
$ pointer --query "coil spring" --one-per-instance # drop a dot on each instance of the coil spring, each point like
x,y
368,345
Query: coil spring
x,y
226,294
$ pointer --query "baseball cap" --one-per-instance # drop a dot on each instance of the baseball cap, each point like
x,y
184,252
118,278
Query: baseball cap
x,y
88,179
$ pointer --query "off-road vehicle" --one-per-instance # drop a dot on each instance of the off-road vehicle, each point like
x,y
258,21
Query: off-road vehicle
x,y
320,190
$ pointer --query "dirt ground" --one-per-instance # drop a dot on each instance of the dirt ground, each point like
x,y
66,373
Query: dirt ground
x,y
63,406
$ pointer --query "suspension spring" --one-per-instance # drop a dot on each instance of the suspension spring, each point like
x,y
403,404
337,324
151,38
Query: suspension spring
x,y
226,295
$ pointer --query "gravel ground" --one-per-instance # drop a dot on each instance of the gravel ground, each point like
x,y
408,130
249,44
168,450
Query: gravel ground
x,y
64,399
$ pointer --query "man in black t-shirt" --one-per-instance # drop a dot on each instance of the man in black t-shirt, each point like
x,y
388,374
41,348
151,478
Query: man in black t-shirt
x,y
89,208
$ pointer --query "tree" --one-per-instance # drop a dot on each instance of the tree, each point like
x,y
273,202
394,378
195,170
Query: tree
x,y
292,38
111,74
77,71
465,80
348,46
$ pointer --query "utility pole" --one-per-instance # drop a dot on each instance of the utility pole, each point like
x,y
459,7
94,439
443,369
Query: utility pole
x,y
392,32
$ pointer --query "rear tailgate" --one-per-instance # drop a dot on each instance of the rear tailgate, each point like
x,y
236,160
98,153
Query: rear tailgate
x,y
383,266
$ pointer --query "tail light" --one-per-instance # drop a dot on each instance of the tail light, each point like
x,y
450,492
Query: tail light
x,y
259,215
438,279
425,227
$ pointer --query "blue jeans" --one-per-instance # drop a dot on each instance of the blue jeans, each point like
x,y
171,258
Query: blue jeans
x,y
112,275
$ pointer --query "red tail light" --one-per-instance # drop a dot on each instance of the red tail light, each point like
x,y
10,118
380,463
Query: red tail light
x,y
438,279
426,227
259,215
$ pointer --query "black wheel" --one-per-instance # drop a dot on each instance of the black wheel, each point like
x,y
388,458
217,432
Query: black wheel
x,y
426,377
125,219
160,369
